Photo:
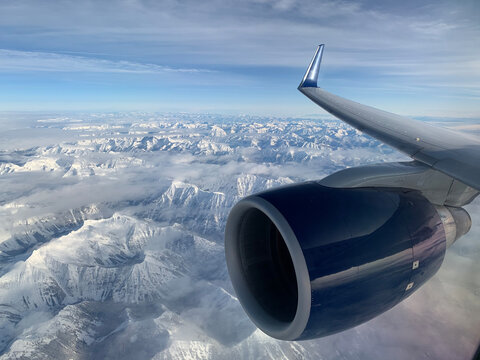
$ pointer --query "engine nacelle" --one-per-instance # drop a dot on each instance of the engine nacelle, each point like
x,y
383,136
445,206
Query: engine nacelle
x,y
307,260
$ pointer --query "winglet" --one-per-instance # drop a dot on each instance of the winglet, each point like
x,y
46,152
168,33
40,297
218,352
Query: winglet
x,y
311,76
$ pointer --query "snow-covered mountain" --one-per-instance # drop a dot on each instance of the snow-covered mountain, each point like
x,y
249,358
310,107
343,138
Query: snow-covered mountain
x,y
111,241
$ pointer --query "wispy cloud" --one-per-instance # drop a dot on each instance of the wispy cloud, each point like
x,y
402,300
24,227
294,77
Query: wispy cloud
x,y
13,60
253,32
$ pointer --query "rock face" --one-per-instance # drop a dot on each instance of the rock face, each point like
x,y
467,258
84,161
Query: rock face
x,y
111,241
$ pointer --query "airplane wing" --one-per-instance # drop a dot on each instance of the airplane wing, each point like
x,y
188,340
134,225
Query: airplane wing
x,y
450,152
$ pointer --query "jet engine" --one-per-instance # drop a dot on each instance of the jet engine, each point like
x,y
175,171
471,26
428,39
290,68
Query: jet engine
x,y
308,260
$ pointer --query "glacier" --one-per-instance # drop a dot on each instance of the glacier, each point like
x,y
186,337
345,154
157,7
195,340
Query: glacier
x,y
111,240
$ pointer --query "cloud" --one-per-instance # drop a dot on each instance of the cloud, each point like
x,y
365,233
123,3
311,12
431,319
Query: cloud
x,y
273,33
13,61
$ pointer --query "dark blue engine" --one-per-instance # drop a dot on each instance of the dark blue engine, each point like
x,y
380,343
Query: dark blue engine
x,y
308,260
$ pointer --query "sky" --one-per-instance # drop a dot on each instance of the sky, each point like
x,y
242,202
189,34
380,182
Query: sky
x,y
418,58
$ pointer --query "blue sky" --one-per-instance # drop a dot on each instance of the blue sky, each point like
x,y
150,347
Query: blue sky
x,y
411,57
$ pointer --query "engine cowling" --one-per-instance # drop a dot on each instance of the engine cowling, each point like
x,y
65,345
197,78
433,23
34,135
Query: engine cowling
x,y
307,260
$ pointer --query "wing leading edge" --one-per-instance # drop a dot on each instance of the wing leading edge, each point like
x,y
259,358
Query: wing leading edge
x,y
450,152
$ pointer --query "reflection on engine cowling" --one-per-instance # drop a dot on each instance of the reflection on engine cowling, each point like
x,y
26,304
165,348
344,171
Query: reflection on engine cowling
x,y
307,260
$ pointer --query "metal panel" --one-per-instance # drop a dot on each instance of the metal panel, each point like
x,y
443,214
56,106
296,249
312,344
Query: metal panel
x,y
436,186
